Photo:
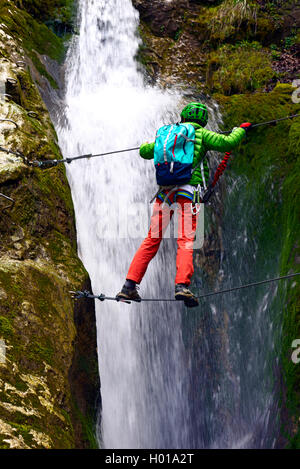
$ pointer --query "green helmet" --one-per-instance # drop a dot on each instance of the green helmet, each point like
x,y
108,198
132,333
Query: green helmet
x,y
195,112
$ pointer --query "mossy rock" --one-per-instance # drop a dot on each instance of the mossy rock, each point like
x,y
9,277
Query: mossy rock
x,y
239,69
35,35
39,265
271,156
57,13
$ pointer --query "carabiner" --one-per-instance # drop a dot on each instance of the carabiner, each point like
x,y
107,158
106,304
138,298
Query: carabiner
x,y
196,204
195,208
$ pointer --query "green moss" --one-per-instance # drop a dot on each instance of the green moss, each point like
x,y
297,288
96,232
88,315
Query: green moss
x,y
88,427
58,15
20,385
29,99
294,142
24,431
39,260
25,208
11,287
41,352
35,36
234,42
238,69
6,329
48,9
271,158
42,70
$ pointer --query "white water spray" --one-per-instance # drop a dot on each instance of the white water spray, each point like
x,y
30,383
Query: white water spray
x,y
140,347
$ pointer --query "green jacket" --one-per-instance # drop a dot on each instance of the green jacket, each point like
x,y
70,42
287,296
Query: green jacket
x,y
205,140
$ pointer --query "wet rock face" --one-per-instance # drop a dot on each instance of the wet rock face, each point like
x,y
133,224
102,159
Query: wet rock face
x,y
47,397
164,17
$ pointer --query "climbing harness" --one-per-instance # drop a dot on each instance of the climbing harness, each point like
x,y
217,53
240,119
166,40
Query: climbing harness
x,y
197,199
165,198
86,294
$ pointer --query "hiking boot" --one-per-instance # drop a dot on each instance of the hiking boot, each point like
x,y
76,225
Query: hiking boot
x,y
129,294
183,293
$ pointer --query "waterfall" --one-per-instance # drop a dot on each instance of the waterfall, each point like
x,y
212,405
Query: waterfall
x,y
164,378
110,107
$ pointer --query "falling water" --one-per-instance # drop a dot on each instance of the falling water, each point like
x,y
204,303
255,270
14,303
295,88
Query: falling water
x,y
109,107
161,382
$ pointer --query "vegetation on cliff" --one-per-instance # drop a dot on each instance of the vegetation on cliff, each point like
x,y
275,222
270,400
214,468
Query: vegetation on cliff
x,y
271,161
210,40
57,14
49,379
45,34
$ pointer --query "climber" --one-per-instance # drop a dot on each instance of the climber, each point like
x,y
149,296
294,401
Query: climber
x,y
182,173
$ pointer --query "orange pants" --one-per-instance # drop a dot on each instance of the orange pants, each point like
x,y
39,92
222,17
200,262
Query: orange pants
x,y
187,224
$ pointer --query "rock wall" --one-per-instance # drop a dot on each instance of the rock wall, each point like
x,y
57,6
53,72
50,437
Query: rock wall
x,y
207,43
49,382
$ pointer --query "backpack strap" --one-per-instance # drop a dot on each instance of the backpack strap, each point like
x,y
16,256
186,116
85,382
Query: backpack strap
x,y
166,196
165,144
154,197
184,136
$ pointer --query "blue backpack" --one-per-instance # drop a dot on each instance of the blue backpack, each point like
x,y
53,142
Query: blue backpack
x,y
174,154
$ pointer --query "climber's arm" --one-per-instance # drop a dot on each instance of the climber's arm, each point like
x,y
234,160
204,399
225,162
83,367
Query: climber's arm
x,y
221,142
147,151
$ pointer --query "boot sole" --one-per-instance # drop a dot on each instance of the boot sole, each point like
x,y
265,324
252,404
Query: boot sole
x,y
126,299
189,301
